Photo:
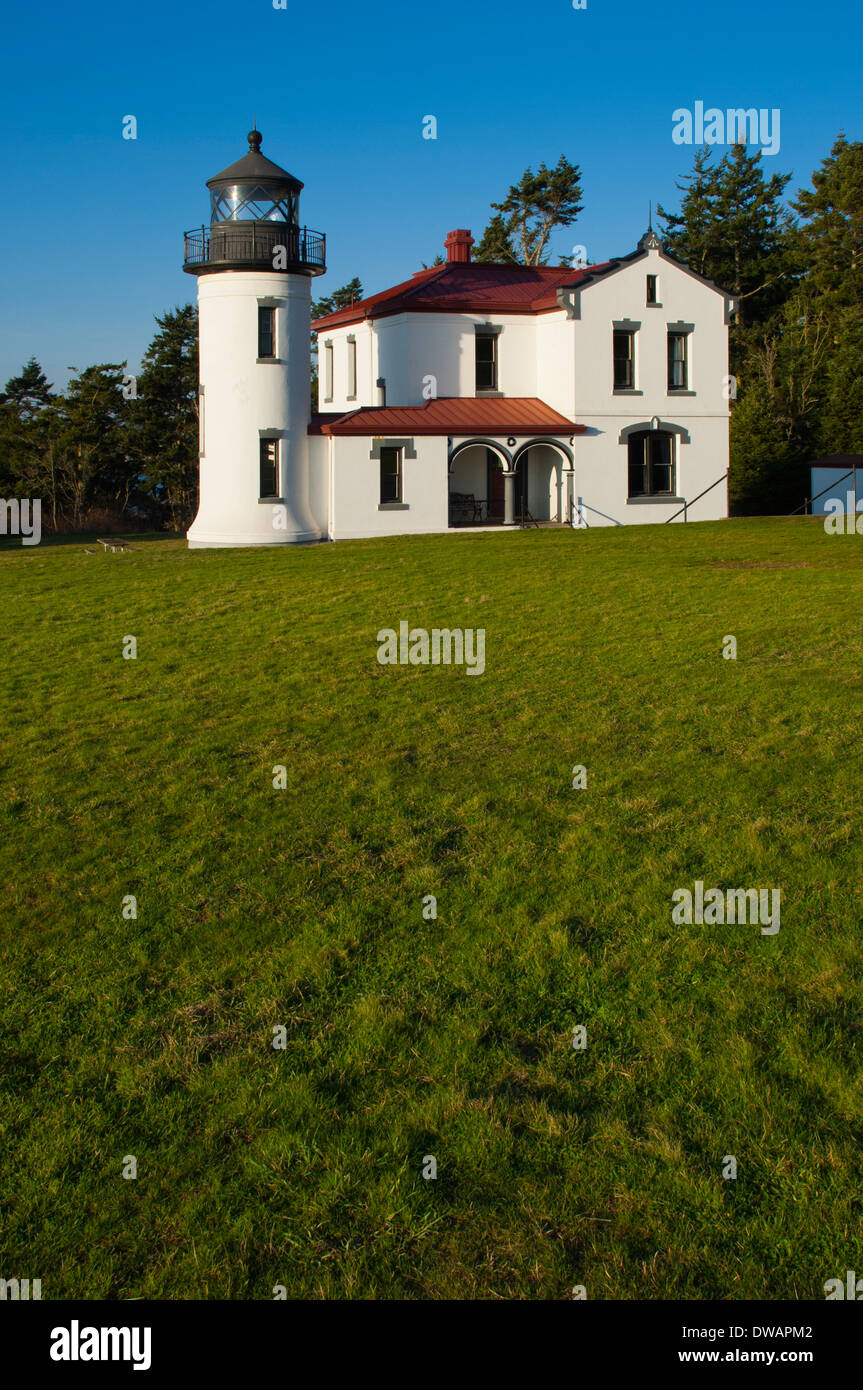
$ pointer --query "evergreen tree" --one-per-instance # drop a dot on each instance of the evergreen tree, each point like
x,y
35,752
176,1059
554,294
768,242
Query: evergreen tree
x,y
775,424
28,393
164,417
495,245
734,228
831,237
840,424
92,463
339,299
763,471
529,213
692,234
27,429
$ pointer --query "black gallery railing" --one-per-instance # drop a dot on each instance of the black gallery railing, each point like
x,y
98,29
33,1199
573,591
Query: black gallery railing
x,y
277,245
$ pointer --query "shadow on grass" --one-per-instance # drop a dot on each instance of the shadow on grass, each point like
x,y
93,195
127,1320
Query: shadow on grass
x,y
51,541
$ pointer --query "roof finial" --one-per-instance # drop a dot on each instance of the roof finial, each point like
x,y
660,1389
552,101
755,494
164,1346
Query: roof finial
x,y
650,216
255,137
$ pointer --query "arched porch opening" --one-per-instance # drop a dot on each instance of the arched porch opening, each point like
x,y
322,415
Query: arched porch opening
x,y
542,467
476,485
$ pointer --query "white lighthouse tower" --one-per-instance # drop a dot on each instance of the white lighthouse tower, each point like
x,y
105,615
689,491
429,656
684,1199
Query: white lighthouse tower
x,y
254,266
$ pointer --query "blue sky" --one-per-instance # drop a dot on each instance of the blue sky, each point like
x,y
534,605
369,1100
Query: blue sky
x,y
91,235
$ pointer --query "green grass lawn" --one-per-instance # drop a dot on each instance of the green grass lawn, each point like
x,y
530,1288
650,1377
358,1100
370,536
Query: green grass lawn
x,y
452,1037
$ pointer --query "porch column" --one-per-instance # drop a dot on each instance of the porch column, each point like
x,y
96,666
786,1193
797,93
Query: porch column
x,y
509,497
568,483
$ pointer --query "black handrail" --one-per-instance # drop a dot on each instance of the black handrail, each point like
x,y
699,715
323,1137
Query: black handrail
x,y
828,488
688,504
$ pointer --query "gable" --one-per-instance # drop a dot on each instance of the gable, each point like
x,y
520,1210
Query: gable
x,y
569,295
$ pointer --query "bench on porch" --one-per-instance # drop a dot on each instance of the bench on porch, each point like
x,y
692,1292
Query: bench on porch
x,y
464,508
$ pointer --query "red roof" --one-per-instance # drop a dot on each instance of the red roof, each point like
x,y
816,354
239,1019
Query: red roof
x,y
451,415
459,287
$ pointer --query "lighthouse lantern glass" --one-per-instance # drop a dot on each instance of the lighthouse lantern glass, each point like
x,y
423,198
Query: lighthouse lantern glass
x,y
250,202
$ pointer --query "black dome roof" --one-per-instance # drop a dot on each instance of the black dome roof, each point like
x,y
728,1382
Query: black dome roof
x,y
254,167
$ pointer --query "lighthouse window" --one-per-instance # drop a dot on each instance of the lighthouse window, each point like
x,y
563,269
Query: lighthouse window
x,y
266,332
246,202
391,474
269,468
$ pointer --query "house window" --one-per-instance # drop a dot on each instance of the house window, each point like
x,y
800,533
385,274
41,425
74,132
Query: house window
x,y
266,332
391,474
678,366
624,359
651,464
269,468
352,369
328,371
486,361
651,289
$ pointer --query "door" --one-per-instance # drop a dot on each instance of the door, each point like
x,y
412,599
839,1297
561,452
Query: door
x,y
494,489
521,507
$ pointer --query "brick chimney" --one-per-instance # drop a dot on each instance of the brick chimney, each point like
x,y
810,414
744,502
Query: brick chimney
x,y
458,245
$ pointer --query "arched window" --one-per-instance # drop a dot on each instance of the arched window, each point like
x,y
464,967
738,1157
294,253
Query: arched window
x,y
651,464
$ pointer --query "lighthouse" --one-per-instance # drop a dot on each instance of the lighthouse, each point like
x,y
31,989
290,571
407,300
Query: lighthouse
x,y
254,265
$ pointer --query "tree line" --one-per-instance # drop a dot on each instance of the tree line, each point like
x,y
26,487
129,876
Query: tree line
x,y
112,450
795,268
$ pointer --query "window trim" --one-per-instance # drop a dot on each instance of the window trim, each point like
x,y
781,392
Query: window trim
x,y
352,368
267,309
266,439
269,302
397,502
329,371
681,332
643,437
492,331
619,330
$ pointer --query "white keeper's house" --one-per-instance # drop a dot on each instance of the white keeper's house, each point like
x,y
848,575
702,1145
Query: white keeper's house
x,y
468,396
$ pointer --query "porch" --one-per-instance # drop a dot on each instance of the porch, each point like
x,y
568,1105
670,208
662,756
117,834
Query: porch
x,y
516,484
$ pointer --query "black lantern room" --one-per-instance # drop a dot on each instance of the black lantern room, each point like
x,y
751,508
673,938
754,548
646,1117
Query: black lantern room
x,y
254,222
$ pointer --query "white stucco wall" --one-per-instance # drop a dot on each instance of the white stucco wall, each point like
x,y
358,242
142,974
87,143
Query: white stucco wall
x,y
601,461
622,296
555,362
355,507
407,349
242,397
320,448
602,474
